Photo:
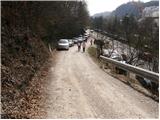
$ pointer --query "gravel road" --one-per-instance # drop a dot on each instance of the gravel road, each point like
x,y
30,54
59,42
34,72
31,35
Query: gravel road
x,y
78,88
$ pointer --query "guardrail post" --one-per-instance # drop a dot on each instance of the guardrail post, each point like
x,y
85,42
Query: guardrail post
x,y
128,76
113,68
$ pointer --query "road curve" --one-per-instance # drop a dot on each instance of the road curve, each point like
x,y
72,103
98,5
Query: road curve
x,y
78,88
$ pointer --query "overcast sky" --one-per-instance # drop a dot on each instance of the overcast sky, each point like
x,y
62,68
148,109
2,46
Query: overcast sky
x,y
97,6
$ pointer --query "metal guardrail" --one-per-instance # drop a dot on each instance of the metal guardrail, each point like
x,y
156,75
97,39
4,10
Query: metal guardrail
x,y
154,77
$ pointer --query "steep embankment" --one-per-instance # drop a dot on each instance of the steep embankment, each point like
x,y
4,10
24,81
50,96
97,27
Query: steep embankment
x,y
23,54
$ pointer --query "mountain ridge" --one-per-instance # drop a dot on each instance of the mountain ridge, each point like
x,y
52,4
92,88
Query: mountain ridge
x,y
134,8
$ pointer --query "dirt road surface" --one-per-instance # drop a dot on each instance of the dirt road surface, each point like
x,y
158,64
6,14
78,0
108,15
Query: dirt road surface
x,y
78,88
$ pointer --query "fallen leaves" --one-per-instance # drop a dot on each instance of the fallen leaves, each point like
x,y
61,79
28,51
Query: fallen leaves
x,y
23,75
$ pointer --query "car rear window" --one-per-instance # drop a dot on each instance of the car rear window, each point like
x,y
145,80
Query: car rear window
x,y
63,41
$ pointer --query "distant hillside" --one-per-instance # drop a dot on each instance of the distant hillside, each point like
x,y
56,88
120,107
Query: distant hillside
x,y
134,8
151,3
103,14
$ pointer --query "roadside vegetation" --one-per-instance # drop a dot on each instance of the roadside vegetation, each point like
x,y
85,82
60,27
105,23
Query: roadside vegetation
x,y
92,52
140,34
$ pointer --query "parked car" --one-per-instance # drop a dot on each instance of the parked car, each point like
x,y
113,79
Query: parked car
x,y
71,43
113,54
63,44
80,39
91,30
116,56
107,52
75,40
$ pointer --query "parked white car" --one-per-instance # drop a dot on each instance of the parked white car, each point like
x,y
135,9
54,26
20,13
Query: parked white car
x,y
116,56
113,54
80,39
71,43
63,44
108,52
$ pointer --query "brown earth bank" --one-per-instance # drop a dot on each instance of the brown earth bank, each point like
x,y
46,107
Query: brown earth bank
x,y
23,65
